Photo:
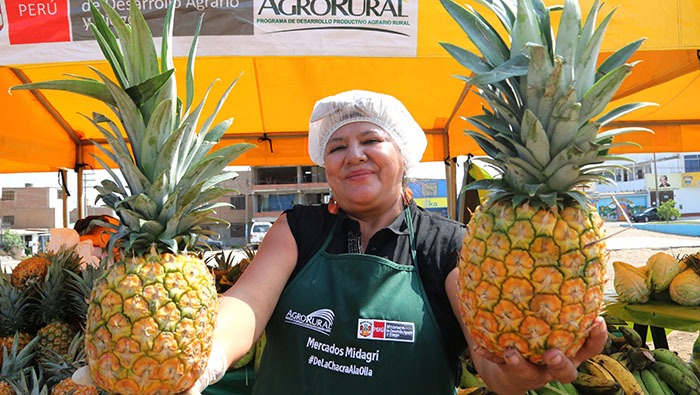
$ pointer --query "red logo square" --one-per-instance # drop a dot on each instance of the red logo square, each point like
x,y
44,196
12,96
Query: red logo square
x,y
37,21
378,329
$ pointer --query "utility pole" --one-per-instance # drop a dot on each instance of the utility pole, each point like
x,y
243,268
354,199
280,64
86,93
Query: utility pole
x,y
656,181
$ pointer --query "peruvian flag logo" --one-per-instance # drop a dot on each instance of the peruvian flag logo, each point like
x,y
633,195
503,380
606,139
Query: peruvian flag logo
x,y
37,21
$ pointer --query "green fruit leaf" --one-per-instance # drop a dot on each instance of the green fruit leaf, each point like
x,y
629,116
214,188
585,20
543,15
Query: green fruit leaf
x,y
467,58
485,38
89,88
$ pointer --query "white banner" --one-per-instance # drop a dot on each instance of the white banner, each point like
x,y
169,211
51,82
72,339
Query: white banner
x,y
42,31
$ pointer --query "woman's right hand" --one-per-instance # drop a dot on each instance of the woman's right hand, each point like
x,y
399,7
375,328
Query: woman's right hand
x,y
215,370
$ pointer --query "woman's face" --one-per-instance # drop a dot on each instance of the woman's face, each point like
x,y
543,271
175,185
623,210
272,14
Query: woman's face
x,y
364,167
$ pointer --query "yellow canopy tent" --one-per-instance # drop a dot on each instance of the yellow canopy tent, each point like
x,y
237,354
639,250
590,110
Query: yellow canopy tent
x,y
44,131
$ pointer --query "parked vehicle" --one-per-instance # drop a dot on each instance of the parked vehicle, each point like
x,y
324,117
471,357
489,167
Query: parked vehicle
x,y
647,215
258,232
650,214
215,244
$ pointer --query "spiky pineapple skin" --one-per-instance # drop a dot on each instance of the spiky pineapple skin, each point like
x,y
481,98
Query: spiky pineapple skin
x,y
532,279
68,386
6,389
150,324
6,342
55,339
30,271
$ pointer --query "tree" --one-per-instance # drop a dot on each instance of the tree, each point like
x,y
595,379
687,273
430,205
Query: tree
x,y
668,211
12,240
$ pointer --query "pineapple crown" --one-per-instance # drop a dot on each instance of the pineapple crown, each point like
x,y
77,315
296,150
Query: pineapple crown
x,y
14,305
544,93
169,172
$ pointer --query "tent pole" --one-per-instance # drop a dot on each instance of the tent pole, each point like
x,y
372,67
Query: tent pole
x,y
64,197
81,197
451,163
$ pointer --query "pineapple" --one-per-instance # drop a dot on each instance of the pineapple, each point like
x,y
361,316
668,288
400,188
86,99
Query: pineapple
x,y
24,386
531,270
60,368
14,316
30,271
227,271
15,363
53,313
151,317
68,387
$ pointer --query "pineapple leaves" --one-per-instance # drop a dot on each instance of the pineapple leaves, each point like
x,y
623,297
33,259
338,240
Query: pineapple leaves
x,y
85,87
514,67
485,37
189,79
535,138
467,58
148,89
108,44
567,36
143,51
145,206
526,30
160,124
587,60
620,57
622,110
599,95
129,114
538,127
609,134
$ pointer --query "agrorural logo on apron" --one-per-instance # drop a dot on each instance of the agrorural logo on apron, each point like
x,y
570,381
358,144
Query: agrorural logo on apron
x,y
319,320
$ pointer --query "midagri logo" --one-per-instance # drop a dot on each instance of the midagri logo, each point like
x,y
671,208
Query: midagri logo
x,y
319,320
325,8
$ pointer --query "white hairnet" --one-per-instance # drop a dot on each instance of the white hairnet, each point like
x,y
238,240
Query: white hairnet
x,y
385,111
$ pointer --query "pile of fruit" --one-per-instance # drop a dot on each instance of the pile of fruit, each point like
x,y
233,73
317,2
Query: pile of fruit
x,y
43,307
663,277
626,367
148,318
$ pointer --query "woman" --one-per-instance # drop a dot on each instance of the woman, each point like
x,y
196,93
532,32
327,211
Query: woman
x,y
360,294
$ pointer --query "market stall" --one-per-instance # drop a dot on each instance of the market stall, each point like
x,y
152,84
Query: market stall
x,y
530,276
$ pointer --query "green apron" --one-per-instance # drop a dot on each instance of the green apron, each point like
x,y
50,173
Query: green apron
x,y
354,323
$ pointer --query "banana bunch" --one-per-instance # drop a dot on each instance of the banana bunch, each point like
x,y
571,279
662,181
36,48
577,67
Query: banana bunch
x,y
605,375
621,337
661,371
556,388
470,382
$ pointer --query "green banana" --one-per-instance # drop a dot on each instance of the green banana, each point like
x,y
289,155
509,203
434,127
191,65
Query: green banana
x,y
245,359
680,382
612,322
695,368
569,388
588,384
638,376
671,358
664,386
695,354
259,348
468,379
554,388
652,383
631,336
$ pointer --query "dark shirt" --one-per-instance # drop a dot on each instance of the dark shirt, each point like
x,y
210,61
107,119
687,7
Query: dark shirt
x,y
438,242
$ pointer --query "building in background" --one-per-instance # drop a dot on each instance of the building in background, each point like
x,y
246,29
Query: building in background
x,y
31,211
650,180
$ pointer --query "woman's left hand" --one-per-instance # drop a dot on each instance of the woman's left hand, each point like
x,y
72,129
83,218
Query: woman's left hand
x,y
522,374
